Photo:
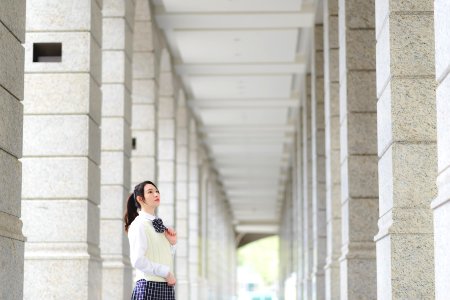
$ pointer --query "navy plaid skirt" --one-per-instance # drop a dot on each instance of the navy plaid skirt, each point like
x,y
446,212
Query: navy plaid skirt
x,y
152,290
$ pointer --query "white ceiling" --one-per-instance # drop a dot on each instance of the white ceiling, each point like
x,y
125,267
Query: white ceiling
x,y
238,61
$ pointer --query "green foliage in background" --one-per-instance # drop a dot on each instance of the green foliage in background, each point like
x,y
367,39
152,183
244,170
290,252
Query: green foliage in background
x,y
262,257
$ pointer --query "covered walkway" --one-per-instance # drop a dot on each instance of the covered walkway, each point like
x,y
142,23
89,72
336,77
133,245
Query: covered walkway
x,y
323,121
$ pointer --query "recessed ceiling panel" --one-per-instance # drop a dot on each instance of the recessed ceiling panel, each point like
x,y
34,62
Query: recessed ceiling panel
x,y
244,116
255,149
236,46
235,87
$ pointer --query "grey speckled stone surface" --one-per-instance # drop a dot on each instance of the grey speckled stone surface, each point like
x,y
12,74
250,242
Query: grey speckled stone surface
x,y
359,188
12,25
407,149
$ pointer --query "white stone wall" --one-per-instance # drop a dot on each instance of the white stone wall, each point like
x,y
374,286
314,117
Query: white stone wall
x,y
61,154
12,35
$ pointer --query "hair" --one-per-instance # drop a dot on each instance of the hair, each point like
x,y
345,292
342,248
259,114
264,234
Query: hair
x,y
133,205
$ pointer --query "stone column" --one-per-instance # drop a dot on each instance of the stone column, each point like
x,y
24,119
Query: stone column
x,y
12,34
166,153
118,17
219,241
307,191
203,224
193,206
230,262
286,239
318,168
406,148
212,223
298,183
144,94
61,174
332,148
283,250
441,205
182,197
297,209
359,182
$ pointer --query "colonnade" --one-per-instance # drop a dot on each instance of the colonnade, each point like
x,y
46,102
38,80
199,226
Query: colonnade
x,y
102,110
373,141
91,106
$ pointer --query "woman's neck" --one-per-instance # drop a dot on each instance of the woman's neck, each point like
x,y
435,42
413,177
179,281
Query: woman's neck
x,y
149,210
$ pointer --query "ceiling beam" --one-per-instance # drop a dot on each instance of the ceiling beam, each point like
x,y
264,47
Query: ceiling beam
x,y
249,128
298,67
302,19
250,103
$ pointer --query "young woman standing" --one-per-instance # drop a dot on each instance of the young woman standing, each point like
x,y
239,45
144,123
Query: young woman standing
x,y
151,245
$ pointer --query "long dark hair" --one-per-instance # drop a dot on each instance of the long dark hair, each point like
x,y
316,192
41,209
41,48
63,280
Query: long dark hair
x,y
133,205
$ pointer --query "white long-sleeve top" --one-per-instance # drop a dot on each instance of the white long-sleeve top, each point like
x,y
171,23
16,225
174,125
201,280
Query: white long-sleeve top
x,y
138,246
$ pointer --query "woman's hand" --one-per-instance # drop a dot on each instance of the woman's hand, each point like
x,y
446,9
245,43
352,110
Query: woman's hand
x,y
171,236
171,279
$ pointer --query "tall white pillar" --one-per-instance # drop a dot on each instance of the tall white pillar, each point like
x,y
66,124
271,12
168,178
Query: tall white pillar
x,y
307,192
332,148
193,206
118,17
182,197
204,188
144,95
441,205
298,183
406,148
61,173
12,34
211,223
318,168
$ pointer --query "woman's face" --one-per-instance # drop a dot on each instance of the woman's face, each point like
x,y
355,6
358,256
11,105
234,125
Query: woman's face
x,y
151,195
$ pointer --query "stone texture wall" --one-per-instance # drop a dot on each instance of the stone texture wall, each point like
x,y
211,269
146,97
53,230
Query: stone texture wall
x,y
12,35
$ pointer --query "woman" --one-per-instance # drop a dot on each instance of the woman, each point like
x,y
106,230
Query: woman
x,y
151,245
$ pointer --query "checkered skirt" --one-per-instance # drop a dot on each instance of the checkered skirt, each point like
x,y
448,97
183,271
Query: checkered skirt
x,y
152,290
